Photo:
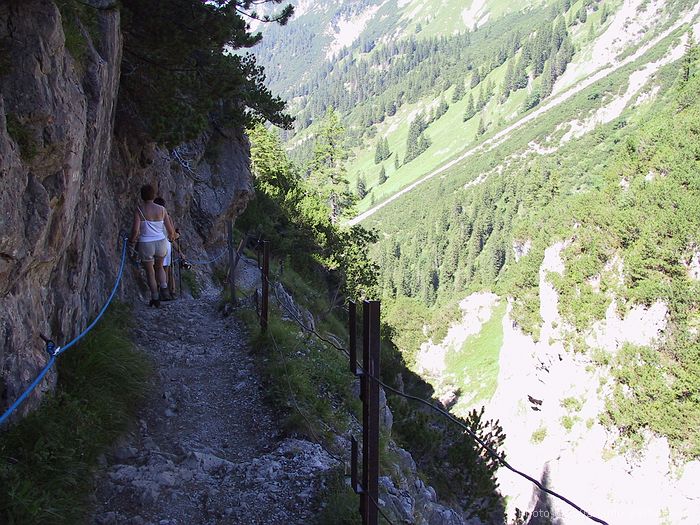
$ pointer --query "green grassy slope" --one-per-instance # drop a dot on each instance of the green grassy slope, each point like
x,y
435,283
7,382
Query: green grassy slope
x,y
474,367
450,135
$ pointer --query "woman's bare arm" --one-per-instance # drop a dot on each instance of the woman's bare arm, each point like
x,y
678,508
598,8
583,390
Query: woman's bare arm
x,y
172,235
135,228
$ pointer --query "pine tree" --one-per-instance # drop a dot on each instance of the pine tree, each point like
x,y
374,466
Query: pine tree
x,y
441,109
515,43
501,57
412,139
381,152
378,153
563,56
180,75
507,81
397,164
415,131
520,75
459,91
382,175
361,188
541,48
423,143
471,110
327,169
531,100
274,173
490,88
476,78
481,100
547,80
481,129
689,58
559,33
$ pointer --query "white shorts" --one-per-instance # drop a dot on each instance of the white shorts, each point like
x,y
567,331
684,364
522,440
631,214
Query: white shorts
x,y
148,250
169,255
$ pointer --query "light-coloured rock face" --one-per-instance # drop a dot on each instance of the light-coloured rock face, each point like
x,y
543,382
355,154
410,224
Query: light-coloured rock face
x,y
641,326
548,401
692,266
409,499
476,310
521,248
552,323
68,186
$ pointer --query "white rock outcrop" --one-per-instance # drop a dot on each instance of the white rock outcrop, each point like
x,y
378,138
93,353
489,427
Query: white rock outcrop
x,y
548,401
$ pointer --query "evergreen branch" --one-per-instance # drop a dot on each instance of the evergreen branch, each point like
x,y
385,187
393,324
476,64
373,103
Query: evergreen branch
x,y
281,18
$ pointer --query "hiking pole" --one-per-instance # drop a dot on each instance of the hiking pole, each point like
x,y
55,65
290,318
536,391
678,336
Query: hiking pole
x,y
179,262
179,277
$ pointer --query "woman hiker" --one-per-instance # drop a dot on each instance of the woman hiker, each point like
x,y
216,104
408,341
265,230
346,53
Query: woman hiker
x,y
150,224
167,262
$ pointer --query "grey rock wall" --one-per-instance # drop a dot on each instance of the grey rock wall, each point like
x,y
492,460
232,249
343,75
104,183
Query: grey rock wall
x,y
69,184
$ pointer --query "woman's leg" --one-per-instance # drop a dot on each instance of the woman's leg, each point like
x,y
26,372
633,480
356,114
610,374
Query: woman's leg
x,y
171,279
151,277
160,272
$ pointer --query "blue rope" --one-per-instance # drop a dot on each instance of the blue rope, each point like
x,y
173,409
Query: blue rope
x,y
60,350
28,391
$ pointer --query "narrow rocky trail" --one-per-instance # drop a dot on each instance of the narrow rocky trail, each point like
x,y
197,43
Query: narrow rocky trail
x,y
206,448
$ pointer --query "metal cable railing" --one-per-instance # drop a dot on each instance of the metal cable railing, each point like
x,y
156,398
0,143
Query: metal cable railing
x,y
498,457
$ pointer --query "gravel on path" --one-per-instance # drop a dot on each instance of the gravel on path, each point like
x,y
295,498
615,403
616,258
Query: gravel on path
x,y
207,449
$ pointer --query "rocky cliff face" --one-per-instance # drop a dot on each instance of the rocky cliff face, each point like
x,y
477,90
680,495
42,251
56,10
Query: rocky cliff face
x,y
549,399
69,182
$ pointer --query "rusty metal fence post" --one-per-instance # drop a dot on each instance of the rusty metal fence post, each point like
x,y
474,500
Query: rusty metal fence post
x,y
368,488
373,405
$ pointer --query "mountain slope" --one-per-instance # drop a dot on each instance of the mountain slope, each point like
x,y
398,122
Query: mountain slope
x,y
614,109
593,246
321,29
382,87
557,204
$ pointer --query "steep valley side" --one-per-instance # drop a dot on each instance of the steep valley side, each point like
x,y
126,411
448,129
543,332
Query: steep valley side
x,y
550,399
564,261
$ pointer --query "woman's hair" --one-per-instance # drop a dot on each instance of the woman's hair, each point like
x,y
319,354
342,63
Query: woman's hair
x,y
147,192
159,201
